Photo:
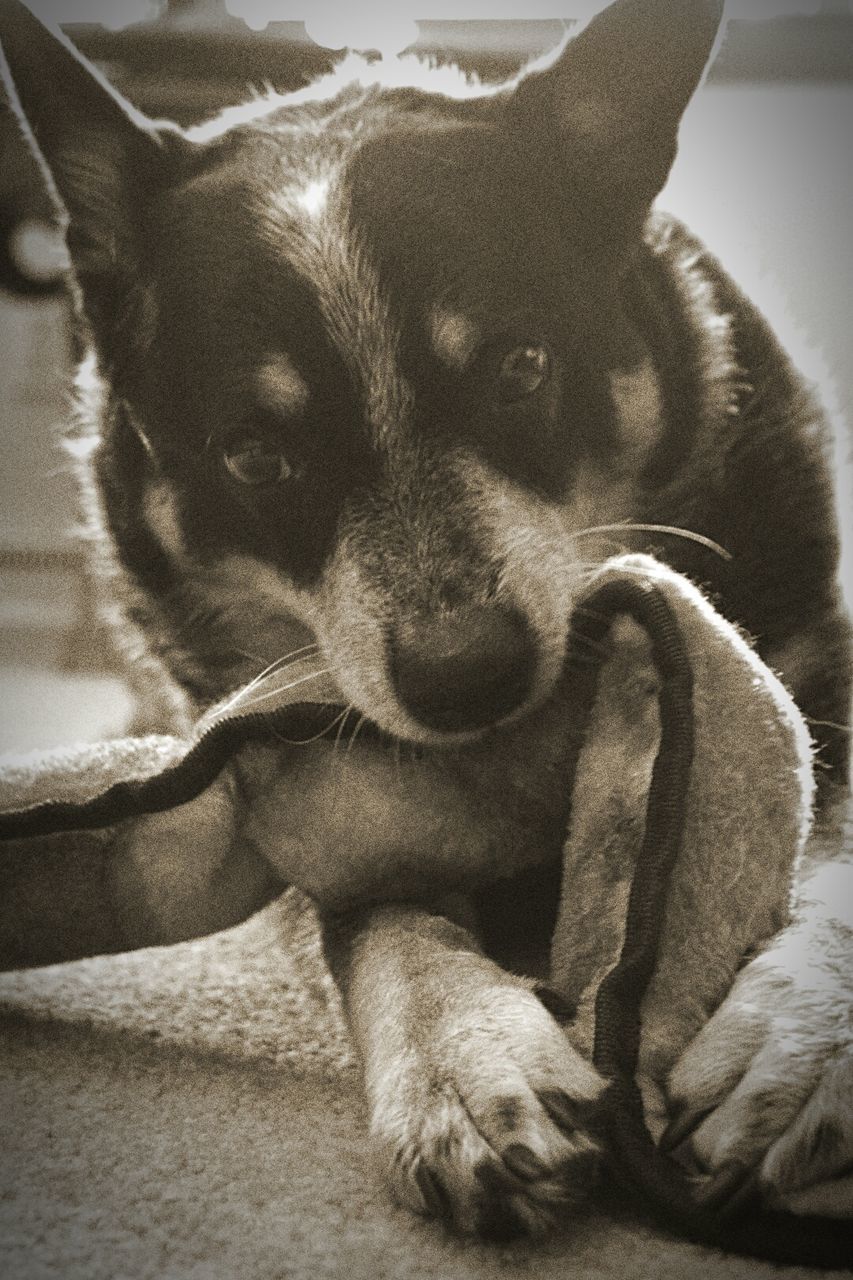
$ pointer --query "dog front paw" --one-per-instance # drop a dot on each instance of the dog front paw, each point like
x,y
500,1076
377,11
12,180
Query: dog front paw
x,y
763,1097
481,1122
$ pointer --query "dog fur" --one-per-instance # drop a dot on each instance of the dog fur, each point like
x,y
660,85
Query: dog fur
x,y
371,365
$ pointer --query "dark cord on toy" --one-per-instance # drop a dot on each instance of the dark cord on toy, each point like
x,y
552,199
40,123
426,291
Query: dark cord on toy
x,y
647,1172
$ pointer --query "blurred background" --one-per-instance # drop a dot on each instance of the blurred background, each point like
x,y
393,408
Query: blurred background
x,y
764,176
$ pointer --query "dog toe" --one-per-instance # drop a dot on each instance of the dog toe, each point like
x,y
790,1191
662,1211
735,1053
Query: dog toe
x,y
495,1151
817,1147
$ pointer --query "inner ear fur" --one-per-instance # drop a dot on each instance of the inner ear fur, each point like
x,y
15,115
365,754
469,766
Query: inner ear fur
x,y
102,159
610,102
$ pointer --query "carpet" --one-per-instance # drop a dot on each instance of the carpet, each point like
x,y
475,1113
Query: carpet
x,y
193,1113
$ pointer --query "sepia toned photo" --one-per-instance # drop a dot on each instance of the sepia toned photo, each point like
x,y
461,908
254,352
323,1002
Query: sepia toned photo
x,y
426,841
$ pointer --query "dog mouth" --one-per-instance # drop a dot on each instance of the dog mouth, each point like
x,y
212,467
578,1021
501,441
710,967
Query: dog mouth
x,y
463,671
448,677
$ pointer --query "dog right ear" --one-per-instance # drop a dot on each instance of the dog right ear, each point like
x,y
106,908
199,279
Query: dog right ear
x,y
101,157
603,117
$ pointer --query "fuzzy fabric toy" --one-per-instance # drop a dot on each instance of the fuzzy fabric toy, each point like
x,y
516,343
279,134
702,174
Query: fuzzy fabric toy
x,y
746,819
689,791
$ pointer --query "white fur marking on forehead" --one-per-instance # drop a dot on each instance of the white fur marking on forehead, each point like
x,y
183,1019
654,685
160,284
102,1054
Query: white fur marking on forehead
x,y
454,337
322,244
314,196
281,387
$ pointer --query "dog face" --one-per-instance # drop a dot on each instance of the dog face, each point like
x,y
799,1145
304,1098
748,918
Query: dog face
x,y
362,359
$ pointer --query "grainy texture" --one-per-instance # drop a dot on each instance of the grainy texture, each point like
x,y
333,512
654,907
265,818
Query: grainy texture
x,y
191,1112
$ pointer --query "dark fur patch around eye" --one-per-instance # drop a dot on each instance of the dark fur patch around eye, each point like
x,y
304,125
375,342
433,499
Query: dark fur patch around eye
x,y
232,305
450,210
123,470
456,229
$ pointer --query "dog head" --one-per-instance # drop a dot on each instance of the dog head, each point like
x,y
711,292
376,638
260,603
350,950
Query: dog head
x,y
358,356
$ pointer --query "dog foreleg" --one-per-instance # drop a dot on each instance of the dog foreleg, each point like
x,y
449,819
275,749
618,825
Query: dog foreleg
x,y
475,1097
147,881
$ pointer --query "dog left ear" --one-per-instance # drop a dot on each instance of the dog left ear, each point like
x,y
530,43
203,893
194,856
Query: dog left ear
x,y
608,107
101,158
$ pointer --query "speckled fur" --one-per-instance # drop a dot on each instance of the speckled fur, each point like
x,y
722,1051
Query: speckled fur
x,y
327,227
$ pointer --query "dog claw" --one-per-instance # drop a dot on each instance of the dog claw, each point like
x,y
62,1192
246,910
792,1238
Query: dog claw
x,y
725,1190
432,1192
680,1128
744,1198
524,1163
562,1010
560,1108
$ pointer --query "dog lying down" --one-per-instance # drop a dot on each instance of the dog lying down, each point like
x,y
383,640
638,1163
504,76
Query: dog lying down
x,y
368,827
372,373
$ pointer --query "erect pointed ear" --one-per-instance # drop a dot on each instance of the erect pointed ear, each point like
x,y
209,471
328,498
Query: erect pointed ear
x,y
101,157
608,107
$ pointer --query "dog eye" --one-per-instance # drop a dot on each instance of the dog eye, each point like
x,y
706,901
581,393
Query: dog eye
x,y
257,462
523,371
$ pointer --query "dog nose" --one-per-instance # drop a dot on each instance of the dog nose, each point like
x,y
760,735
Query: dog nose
x,y
464,669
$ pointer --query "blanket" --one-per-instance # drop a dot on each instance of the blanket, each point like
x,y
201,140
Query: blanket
x,y
205,1093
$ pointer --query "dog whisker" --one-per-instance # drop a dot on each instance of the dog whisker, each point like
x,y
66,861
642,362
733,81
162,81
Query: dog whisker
x,y
296,655
362,721
613,548
635,527
304,742
239,696
285,688
281,664
829,724
336,745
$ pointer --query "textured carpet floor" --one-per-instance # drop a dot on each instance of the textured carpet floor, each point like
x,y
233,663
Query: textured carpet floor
x,y
192,1113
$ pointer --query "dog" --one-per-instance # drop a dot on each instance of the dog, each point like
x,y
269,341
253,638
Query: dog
x,y
375,373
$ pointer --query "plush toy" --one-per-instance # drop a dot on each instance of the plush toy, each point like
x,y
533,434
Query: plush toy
x,y
686,788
